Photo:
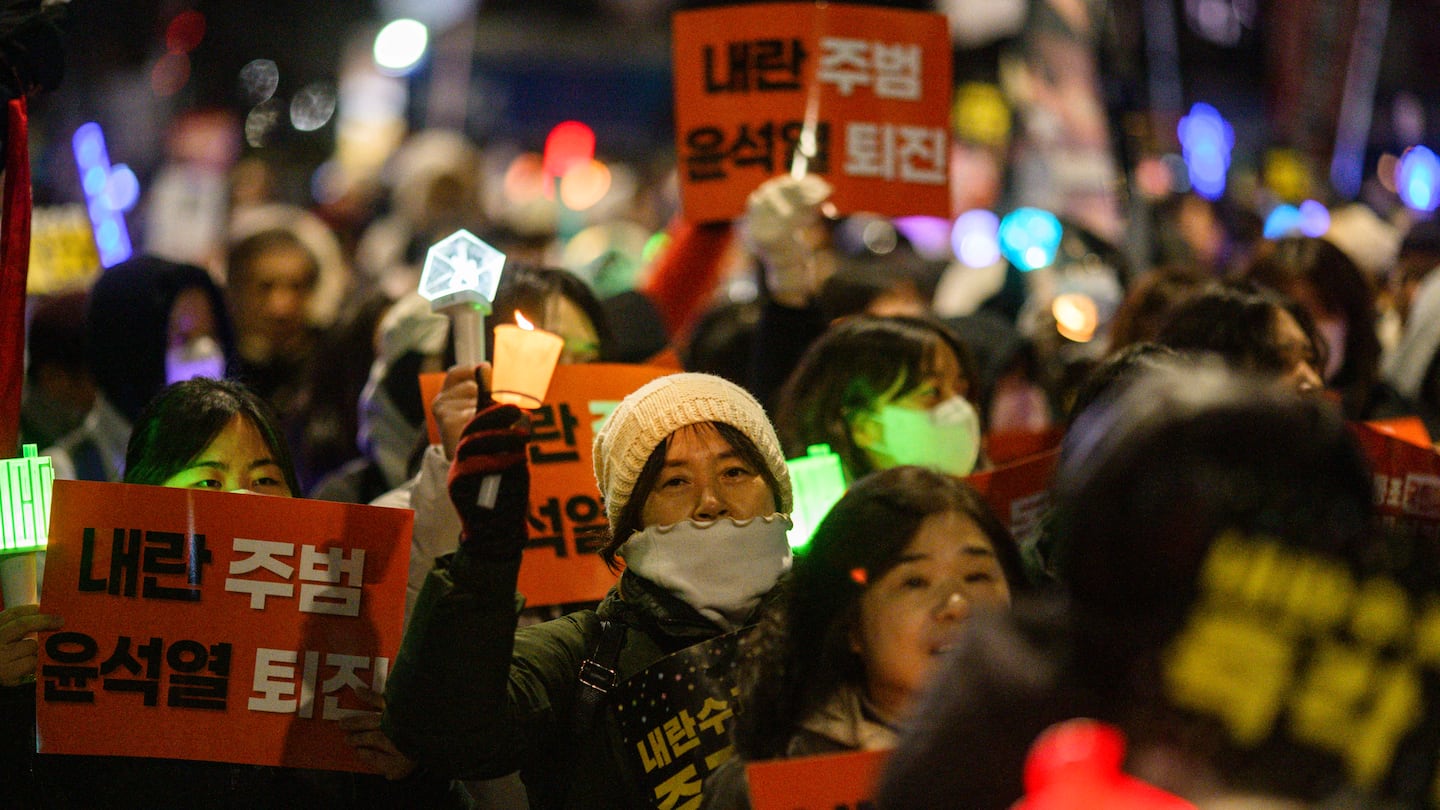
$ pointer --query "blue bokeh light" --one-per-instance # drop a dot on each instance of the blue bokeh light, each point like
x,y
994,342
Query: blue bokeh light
x,y
1284,220
108,192
1416,178
1206,139
1314,218
975,238
1030,237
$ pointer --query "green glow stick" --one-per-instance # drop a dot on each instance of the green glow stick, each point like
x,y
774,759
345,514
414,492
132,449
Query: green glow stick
x,y
818,481
25,484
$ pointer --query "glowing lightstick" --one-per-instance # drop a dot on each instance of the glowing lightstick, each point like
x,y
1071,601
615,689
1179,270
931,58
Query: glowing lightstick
x,y
460,277
818,481
109,192
525,359
25,484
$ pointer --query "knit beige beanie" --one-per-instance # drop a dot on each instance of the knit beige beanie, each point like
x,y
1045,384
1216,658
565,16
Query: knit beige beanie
x,y
662,406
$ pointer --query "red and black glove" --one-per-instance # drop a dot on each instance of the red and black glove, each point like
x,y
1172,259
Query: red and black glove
x,y
490,482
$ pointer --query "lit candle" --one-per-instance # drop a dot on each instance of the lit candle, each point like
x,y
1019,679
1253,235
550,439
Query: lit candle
x,y
525,359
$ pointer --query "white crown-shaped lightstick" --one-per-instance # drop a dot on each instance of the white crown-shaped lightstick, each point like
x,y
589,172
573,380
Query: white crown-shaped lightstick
x,y
460,277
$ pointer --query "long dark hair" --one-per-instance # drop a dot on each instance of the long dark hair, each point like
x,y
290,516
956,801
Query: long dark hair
x,y
801,653
847,369
629,520
184,418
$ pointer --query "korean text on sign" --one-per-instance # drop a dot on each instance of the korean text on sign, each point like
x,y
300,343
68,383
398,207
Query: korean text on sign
x,y
858,94
233,628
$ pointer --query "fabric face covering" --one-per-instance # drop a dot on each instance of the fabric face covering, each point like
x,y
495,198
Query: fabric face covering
x,y
945,438
201,357
721,568
1334,332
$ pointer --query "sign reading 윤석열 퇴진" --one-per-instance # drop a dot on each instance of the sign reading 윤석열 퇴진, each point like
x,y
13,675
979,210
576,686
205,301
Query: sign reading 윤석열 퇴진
x,y
858,95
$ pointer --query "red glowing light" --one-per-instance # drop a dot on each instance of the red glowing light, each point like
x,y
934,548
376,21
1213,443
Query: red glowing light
x,y
185,32
569,143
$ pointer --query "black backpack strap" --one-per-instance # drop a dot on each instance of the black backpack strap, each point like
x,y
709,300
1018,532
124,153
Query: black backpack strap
x,y
598,675
597,678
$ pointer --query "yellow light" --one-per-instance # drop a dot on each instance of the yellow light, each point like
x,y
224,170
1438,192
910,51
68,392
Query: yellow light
x,y
981,114
585,185
523,322
1075,317
1287,173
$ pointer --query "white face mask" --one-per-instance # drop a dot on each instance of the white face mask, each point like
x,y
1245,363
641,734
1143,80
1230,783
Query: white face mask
x,y
200,357
721,568
1334,332
945,438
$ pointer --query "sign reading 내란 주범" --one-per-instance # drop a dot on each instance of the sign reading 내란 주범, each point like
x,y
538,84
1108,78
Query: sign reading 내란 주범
x,y
216,626
858,95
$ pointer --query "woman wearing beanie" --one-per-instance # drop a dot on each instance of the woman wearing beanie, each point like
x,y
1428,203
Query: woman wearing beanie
x,y
697,495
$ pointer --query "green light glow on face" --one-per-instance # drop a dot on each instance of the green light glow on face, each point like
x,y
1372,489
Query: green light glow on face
x,y
817,481
25,484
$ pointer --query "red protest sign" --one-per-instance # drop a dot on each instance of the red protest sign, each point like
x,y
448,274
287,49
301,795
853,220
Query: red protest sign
x,y
567,520
1018,493
857,94
215,626
815,783
1406,479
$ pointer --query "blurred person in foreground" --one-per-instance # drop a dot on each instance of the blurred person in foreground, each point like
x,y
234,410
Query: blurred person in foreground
x,y
1229,606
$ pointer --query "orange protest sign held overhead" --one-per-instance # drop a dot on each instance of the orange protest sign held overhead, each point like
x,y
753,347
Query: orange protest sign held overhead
x,y
856,94
216,626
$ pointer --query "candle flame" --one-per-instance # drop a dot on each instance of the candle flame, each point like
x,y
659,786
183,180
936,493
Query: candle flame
x,y
521,322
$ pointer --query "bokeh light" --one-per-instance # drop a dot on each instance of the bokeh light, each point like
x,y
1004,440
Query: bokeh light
x,y
121,189
169,74
1207,140
259,80
312,107
654,245
1283,221
1416,178
185,32
400,45
107,222
1385,170
1076,316
929,235
975,238
524,179
1314,218
1030,237
260,122
584,185
568,144
981,114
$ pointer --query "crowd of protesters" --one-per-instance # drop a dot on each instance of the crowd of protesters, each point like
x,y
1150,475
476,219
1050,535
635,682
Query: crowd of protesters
x,y
1205,437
